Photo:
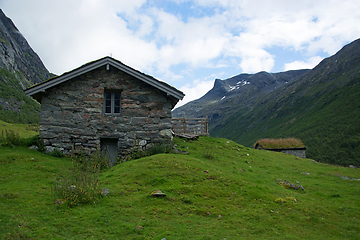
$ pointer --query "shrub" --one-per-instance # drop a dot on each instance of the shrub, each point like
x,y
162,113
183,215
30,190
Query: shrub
x,y
103,159
35,140
209,154
10,138
165,146
162,147
135,153
80,183
56,153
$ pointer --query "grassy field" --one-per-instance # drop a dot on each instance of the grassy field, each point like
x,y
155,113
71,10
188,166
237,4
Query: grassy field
x,y
218,190
24,130
25,109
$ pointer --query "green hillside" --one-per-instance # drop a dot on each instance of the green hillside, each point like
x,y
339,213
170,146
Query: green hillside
x,y
218,190
24,130
329,126
22,109
322,108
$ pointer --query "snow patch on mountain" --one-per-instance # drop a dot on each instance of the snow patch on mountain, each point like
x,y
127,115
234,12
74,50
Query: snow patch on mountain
x,y
239,84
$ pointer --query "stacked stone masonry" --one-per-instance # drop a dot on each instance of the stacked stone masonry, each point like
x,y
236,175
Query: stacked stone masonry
x,y
299,152
72,113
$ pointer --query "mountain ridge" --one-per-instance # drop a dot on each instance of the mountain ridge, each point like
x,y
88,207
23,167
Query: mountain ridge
x,y
320,106
17,55
20,67
239,89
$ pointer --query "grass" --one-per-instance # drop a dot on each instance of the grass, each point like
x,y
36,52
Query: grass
x,y
233,194
24,130
26,109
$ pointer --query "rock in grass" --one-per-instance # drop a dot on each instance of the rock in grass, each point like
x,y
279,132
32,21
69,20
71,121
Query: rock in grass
x,y
158,193
284,200
288,184
33,147
59,201
105,192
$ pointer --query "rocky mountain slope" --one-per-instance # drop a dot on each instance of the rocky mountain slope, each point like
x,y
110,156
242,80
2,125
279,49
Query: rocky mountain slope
x,y
20,67
240,90
17,56
320,106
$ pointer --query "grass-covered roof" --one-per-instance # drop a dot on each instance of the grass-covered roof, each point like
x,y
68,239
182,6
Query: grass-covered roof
x,y
280,143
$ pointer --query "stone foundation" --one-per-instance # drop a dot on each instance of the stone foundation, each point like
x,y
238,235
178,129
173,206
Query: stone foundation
x,y
298,152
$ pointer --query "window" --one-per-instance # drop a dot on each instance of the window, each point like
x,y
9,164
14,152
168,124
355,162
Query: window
x,y
112,103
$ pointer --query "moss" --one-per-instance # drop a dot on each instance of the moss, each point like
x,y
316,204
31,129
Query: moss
x,y
4,41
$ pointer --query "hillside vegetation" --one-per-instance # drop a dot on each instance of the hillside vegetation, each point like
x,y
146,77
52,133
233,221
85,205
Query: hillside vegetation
x,y
23,130
325,116
20,67
320,106
217,190
15,106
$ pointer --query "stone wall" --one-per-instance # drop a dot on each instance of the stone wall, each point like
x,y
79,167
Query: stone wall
x,y
72,113
296,152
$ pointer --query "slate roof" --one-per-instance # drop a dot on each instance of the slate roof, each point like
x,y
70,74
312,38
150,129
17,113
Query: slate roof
x,y
37,90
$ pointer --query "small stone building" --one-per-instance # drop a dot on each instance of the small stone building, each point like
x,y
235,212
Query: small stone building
x,y
104,104
289,145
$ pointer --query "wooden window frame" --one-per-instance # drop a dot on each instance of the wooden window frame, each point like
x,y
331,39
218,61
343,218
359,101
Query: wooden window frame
x,y
113,104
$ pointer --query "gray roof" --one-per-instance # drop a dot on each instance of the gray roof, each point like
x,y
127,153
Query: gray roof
x,y
37,90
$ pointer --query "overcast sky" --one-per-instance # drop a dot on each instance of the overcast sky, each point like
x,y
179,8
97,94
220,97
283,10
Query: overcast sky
x,y
187,43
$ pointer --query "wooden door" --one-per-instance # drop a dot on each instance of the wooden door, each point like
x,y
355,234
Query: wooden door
x,y
109,150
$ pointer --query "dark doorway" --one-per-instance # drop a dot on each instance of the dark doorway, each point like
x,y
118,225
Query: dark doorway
x,y
109,149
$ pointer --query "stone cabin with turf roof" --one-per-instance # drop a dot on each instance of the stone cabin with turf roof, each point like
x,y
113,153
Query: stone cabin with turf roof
x,y
104,104
291,146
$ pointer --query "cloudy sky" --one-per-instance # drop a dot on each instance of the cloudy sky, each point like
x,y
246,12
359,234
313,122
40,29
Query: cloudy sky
x,y
187,43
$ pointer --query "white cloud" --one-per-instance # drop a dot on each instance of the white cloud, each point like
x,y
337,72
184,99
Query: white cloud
x,y
68,33
195,90
309,64
172,45
194,42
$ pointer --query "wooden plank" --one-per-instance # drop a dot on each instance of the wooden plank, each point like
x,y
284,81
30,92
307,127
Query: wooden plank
x,y
187,136
198,126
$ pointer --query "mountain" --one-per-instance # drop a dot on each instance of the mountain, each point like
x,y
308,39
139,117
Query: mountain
x,y
240,90
17,56
321,106
20,67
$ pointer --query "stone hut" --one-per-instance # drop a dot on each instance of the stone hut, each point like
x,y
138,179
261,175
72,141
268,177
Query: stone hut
x,y
104,104
291,146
